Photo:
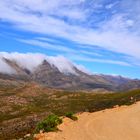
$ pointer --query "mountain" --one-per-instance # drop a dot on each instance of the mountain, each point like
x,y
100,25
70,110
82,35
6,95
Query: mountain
x,y
58,72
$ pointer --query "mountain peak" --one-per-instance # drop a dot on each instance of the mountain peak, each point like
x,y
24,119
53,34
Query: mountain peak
x,y
58,72
30,61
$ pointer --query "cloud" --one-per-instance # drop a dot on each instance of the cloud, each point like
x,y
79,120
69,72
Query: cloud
x,y
31,61
83,69
74,54
90,53
79,21
46,45
106,61
111,5
5,68
63,64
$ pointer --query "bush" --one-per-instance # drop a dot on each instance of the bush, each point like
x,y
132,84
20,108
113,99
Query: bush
x,y
49,124
71,116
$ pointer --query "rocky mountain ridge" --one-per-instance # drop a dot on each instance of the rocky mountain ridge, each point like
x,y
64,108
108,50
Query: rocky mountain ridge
x,y
51,75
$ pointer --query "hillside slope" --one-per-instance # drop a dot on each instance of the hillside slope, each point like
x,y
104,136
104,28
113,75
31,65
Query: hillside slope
x,y
111,124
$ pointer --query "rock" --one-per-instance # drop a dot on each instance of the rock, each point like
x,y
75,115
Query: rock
x,y
115,106
27,135
41,131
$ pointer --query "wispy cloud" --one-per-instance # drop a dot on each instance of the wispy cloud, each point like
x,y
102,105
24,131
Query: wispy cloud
x,y
74,54
90,23
47,45
106,61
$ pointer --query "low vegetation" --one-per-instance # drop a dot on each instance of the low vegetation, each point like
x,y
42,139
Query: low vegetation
x,y
71,116
31,103
48,124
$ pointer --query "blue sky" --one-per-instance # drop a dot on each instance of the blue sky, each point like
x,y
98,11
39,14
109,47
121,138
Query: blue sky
x,y
101,35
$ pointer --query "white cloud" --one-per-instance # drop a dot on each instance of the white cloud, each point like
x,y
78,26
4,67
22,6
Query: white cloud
x,y
106,61
46,45
85,56
83,69
63,64
115,41
111,5
31,61
5,68
90,53
45,17
130,22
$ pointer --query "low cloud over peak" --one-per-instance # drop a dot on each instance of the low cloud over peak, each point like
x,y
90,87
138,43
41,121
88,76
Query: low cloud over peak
x,y
5,68
31,61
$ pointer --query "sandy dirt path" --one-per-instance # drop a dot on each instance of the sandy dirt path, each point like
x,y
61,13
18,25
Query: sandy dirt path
x,y
122,123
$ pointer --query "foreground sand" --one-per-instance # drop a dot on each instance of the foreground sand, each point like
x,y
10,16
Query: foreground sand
x,y
121,123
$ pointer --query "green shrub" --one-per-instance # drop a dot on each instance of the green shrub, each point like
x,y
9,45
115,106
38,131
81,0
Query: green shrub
x,y
71,116
49,124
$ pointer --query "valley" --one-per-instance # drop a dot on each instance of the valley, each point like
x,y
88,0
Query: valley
x,y
23,106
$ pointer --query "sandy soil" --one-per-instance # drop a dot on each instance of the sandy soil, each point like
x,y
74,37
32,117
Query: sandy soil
x,y
121,123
